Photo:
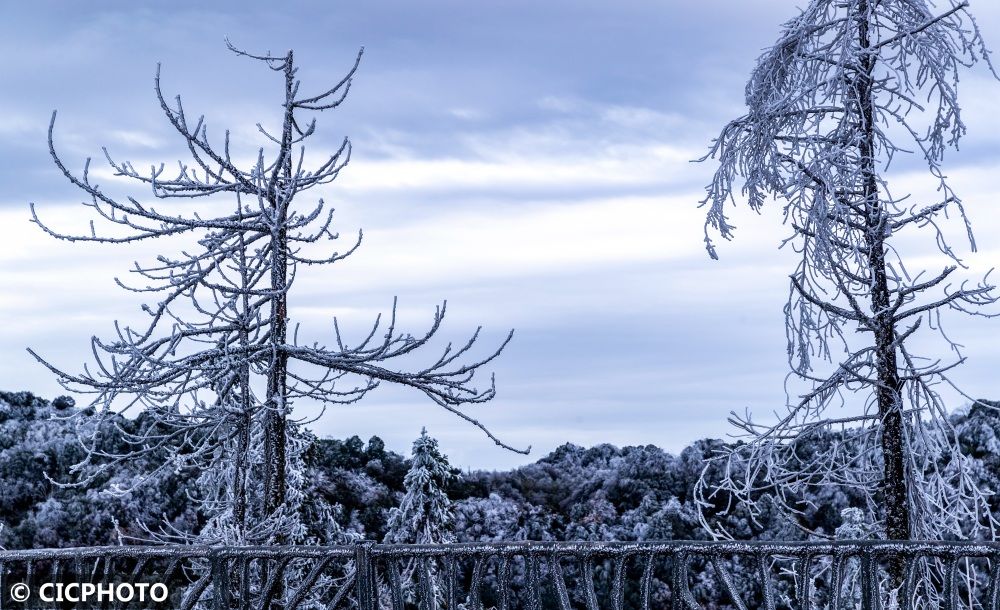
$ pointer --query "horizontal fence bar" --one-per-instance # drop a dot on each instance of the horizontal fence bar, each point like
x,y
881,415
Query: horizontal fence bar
x,y
178,551
943,549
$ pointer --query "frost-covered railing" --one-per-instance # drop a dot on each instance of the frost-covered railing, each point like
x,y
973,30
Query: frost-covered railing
x,y
505,576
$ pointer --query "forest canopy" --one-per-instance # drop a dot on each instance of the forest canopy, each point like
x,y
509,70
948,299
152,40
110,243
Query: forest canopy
x,y
573,493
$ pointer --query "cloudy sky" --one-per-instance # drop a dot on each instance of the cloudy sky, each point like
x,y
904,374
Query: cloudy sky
x,y
527,161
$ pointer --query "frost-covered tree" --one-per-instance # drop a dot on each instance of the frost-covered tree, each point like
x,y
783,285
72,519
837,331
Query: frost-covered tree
x,y
425,514
848,87
215,369
491,519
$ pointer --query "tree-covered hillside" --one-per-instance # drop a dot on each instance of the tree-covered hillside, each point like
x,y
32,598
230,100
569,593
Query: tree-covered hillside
x,y
574,493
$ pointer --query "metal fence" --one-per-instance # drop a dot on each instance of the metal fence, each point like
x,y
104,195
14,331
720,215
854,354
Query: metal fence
x,y
504,576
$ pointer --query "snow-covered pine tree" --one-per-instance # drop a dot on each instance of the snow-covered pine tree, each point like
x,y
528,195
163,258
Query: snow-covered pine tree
x,y
215,370
425,514
848,87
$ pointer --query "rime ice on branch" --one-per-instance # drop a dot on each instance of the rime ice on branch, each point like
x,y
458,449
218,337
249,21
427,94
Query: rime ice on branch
x,y
218,329
848,86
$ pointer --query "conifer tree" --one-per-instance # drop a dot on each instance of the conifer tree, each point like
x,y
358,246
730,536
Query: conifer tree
x,y
424,516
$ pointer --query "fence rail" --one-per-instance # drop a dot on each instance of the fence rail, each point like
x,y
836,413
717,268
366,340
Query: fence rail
x,y
869,575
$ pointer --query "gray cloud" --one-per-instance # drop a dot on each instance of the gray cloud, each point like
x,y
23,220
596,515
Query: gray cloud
x,y
528,161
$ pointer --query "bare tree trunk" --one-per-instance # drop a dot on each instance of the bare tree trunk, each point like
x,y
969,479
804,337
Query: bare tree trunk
x,y
277,383
246,407
894,482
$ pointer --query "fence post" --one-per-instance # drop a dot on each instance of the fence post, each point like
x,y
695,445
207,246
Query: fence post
x,y
365,581
869,582
220,581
